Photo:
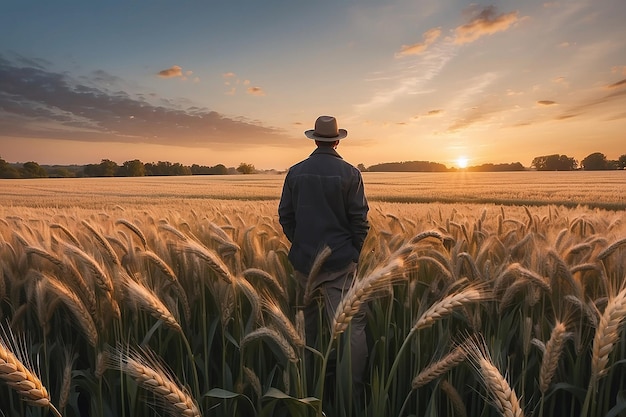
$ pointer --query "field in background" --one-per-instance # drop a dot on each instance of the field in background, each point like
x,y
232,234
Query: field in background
x,y
175,293
604,189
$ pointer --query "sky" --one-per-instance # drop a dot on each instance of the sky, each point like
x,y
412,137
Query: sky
x,y
226,82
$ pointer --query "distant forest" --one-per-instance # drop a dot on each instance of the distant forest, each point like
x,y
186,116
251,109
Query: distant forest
x,y
106,168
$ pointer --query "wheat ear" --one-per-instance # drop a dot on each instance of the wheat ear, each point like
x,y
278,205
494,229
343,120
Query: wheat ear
x,y
146,299
275,336
171,278
315,269
76,306
150,374
504,398
282,322
360,292
550,360
440,367
448,304
208,256
19,376
108,249
136,230
611,248
455,398
607,334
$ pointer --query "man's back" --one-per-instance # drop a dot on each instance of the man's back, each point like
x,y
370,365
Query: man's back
x,y
323,203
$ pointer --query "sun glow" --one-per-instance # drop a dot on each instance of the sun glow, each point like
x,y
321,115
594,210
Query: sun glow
x,y
462,162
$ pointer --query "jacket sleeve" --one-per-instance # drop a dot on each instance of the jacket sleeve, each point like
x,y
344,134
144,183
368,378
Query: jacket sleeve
x,y
357,211
286,213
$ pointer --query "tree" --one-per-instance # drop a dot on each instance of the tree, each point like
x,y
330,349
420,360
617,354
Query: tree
x,y
246,168
134,168
108,168
33,170
554,162
622,161
7,171
594,162
361,168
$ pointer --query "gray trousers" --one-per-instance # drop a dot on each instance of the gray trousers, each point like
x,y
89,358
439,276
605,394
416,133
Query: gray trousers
x,y
333,285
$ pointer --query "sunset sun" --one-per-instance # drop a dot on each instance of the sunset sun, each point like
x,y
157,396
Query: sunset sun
x,y
461,162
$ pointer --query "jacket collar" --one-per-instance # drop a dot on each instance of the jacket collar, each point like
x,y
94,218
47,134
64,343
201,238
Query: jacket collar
x,y
326,150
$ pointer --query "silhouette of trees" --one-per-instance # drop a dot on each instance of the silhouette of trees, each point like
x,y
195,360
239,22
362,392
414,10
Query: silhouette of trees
x,y
409,166
134,168
554,162
7,171
33,170
218,169
621,162
595,162
245,168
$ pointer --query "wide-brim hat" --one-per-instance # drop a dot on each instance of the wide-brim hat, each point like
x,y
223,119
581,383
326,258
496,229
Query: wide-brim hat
x,y
326,130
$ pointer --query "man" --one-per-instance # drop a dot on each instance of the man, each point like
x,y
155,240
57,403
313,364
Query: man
x,y
322,205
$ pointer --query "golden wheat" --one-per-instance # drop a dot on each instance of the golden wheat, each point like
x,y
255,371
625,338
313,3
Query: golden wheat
x,y
150,374
443,365
551,356
17,373
448,304
607,334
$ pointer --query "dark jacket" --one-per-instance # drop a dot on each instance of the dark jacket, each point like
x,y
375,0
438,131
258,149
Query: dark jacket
x,y
323,203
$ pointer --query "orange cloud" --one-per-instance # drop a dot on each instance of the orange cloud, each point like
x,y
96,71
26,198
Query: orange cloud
x,y
256,91
174,71
546,102
434,112
621,83
229,75
486,22
429,37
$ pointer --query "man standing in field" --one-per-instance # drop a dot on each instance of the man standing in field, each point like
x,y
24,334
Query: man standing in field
x,y
323,205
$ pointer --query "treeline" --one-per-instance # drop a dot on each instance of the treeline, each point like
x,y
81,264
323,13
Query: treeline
x,y
135,168
425,166
593,162
108,168
596,161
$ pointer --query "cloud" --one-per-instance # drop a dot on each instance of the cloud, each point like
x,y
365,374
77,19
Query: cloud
x,y
434,112
174,71
546,102
39,103
420,47
619,84
256,91
484,22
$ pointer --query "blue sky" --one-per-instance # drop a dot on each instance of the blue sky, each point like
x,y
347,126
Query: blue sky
x,y
228,82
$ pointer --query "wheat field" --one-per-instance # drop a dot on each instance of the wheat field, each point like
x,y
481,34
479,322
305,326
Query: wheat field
x,y
174,296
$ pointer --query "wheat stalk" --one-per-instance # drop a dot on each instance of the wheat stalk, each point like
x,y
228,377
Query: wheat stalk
x,y
150,374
